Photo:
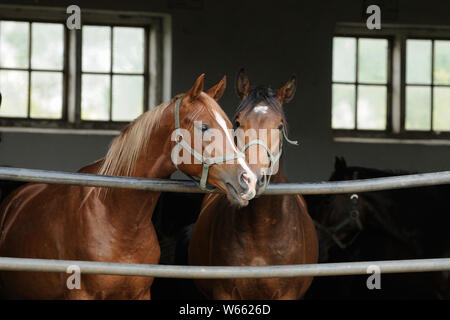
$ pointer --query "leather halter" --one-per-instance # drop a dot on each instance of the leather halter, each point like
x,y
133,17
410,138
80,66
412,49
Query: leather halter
x,y
272,158
205,161
354,216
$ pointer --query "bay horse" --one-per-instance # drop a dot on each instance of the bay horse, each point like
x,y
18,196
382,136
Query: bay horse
x,y
398,224
271,230
114,225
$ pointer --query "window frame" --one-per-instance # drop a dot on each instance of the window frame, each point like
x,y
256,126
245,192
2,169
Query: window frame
x,y
22,121
357,83
146,75
396,113
431,86
157,62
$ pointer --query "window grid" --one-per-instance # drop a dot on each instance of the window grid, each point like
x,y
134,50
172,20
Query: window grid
x,y
111,73
357,83
30,70
432,85
396,119
156,77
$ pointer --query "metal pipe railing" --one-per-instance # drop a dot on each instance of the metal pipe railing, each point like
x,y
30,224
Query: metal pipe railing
x,y
201,272
164,185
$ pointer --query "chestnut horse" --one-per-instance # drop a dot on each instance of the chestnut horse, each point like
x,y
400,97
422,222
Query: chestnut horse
x,y
114,225
271,230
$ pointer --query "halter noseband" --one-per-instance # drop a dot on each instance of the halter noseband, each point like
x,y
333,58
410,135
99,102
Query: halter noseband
x,y
206,162
272,158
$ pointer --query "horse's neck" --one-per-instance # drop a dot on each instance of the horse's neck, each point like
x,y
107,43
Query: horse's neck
x,y
133,207
266,212
390,215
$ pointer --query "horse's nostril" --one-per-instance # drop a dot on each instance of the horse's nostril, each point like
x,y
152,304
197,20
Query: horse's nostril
x,y
262,180
244,181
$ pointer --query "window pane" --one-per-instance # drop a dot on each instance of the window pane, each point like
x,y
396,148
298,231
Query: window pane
x,y
344,51
47,46
128,54
418,108
442,62
441,109
372,63
46,95
14,37
95,97
96,49
418,61
343,112
128,98
14,89
372,107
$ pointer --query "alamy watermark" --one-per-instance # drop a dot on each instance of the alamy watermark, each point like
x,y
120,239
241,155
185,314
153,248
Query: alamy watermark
x,y
374,20
374,280
74,20
74,280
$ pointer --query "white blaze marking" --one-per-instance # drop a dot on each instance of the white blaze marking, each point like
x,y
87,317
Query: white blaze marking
x,y
223,125
261,109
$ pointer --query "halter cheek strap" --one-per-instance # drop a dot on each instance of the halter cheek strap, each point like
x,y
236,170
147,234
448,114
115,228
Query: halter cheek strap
x,y
354,217
205,161
273,159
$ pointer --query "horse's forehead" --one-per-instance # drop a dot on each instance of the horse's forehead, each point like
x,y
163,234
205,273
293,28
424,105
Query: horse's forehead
x,y
213,110
261,115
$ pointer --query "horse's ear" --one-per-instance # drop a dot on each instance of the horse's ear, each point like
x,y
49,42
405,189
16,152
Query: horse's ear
x,y
339,164
242,84
197,88
286,93
217,91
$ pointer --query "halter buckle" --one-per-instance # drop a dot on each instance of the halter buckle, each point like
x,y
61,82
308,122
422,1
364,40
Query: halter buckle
x,y
208,161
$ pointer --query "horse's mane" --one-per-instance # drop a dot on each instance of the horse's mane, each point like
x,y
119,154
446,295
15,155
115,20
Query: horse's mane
x,y
344,172
125,149
368,173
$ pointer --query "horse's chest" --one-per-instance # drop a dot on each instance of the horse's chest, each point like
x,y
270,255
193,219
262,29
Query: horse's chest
x,y
139,251
271,249
276,288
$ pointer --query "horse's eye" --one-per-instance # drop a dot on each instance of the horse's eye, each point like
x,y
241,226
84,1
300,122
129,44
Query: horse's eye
x,y
280,127
204,127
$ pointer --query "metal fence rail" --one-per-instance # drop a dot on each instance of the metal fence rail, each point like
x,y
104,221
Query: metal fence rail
x,y
198,272
163,185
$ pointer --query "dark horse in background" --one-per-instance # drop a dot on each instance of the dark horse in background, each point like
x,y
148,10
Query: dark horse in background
x,y
384,225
